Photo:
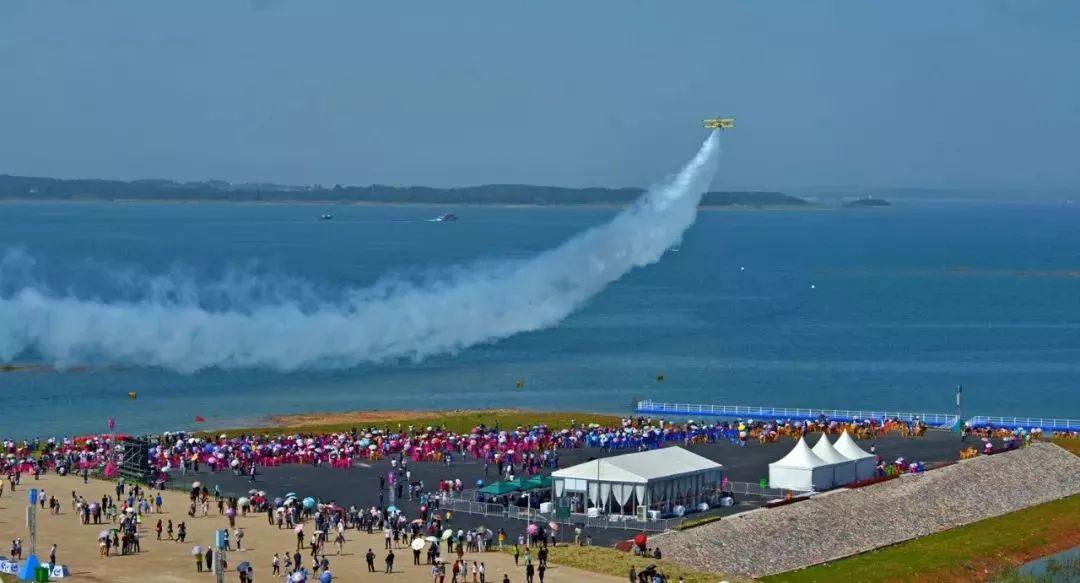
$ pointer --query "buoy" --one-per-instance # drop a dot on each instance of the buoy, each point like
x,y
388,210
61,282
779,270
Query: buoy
x,y
132,395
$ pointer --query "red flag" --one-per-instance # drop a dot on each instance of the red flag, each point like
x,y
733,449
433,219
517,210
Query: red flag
x,y
199,419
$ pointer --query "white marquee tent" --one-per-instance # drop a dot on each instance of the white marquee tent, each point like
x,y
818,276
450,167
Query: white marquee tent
x,y
865,463
658,479
843,468
801,470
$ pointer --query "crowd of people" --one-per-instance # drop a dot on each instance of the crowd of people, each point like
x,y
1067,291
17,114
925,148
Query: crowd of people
x,y
427,534
532,448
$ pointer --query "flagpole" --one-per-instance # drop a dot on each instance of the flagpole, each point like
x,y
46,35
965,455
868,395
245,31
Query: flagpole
x,y
959,414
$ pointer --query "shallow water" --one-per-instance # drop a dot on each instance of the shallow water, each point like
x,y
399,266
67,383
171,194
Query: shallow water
x,y
906,303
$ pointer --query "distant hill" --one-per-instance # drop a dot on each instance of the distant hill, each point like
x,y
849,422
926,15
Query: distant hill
x,y
31,188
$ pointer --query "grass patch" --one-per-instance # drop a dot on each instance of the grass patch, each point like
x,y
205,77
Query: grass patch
x,y
1069,443
456,421
965,553
608,561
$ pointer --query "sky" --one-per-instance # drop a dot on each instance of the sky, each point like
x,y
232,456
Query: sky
x,y
965,94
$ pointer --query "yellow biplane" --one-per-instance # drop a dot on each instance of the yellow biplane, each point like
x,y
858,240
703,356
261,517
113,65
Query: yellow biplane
x,y
720,123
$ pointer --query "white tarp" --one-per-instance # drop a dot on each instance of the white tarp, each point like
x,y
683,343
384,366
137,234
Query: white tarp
x,y
865,463
843,468
801,470
639,468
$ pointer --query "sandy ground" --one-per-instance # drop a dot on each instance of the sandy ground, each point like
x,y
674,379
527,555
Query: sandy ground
x,y
376,417
167,561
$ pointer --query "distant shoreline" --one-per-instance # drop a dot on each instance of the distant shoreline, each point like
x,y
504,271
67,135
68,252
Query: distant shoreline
x,y
808,206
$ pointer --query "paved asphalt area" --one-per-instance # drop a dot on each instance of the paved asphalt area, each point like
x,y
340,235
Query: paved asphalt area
x,y
360,485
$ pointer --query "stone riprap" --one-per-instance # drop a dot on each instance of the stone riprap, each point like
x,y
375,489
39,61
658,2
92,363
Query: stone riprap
x,y
837,524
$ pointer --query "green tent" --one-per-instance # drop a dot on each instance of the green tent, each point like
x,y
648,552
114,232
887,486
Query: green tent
x,y
538,482
519,484
499,488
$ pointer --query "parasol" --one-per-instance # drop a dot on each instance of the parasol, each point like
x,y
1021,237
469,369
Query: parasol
x,y
196,550
417,544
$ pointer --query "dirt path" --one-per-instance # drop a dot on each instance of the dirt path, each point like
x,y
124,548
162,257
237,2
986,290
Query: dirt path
x,y
376,417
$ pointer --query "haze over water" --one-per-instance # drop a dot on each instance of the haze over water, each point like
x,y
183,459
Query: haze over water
x,y
906,303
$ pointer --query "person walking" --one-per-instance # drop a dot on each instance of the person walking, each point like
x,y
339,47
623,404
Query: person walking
x,y
52,556
530,570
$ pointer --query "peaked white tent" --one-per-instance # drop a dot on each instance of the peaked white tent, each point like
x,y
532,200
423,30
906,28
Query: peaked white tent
x,y
843,468
865,463
801,470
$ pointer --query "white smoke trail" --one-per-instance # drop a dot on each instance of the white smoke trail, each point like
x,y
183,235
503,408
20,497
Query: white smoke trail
x,y
179,331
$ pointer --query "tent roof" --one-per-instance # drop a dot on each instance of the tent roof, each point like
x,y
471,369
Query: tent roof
x,y
539,482
640,467
824,450
800,456
847,447
499,488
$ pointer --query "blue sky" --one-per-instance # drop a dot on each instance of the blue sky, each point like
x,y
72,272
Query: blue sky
x,y
959,94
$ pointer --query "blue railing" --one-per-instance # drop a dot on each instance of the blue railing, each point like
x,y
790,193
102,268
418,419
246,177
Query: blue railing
x,y
743,411
1044,423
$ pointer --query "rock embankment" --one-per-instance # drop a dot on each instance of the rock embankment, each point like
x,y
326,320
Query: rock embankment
x,y
846,522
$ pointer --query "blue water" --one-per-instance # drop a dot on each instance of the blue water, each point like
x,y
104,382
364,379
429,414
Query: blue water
x,y
906,303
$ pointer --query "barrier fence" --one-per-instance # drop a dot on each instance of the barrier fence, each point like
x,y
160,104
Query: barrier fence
x,y
1046,424
741,411
465,501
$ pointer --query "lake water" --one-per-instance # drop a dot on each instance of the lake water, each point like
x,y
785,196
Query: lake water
x,y
877,308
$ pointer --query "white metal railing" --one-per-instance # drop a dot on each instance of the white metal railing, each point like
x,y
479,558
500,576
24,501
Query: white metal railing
x,y
751,489
649,406
1027,422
